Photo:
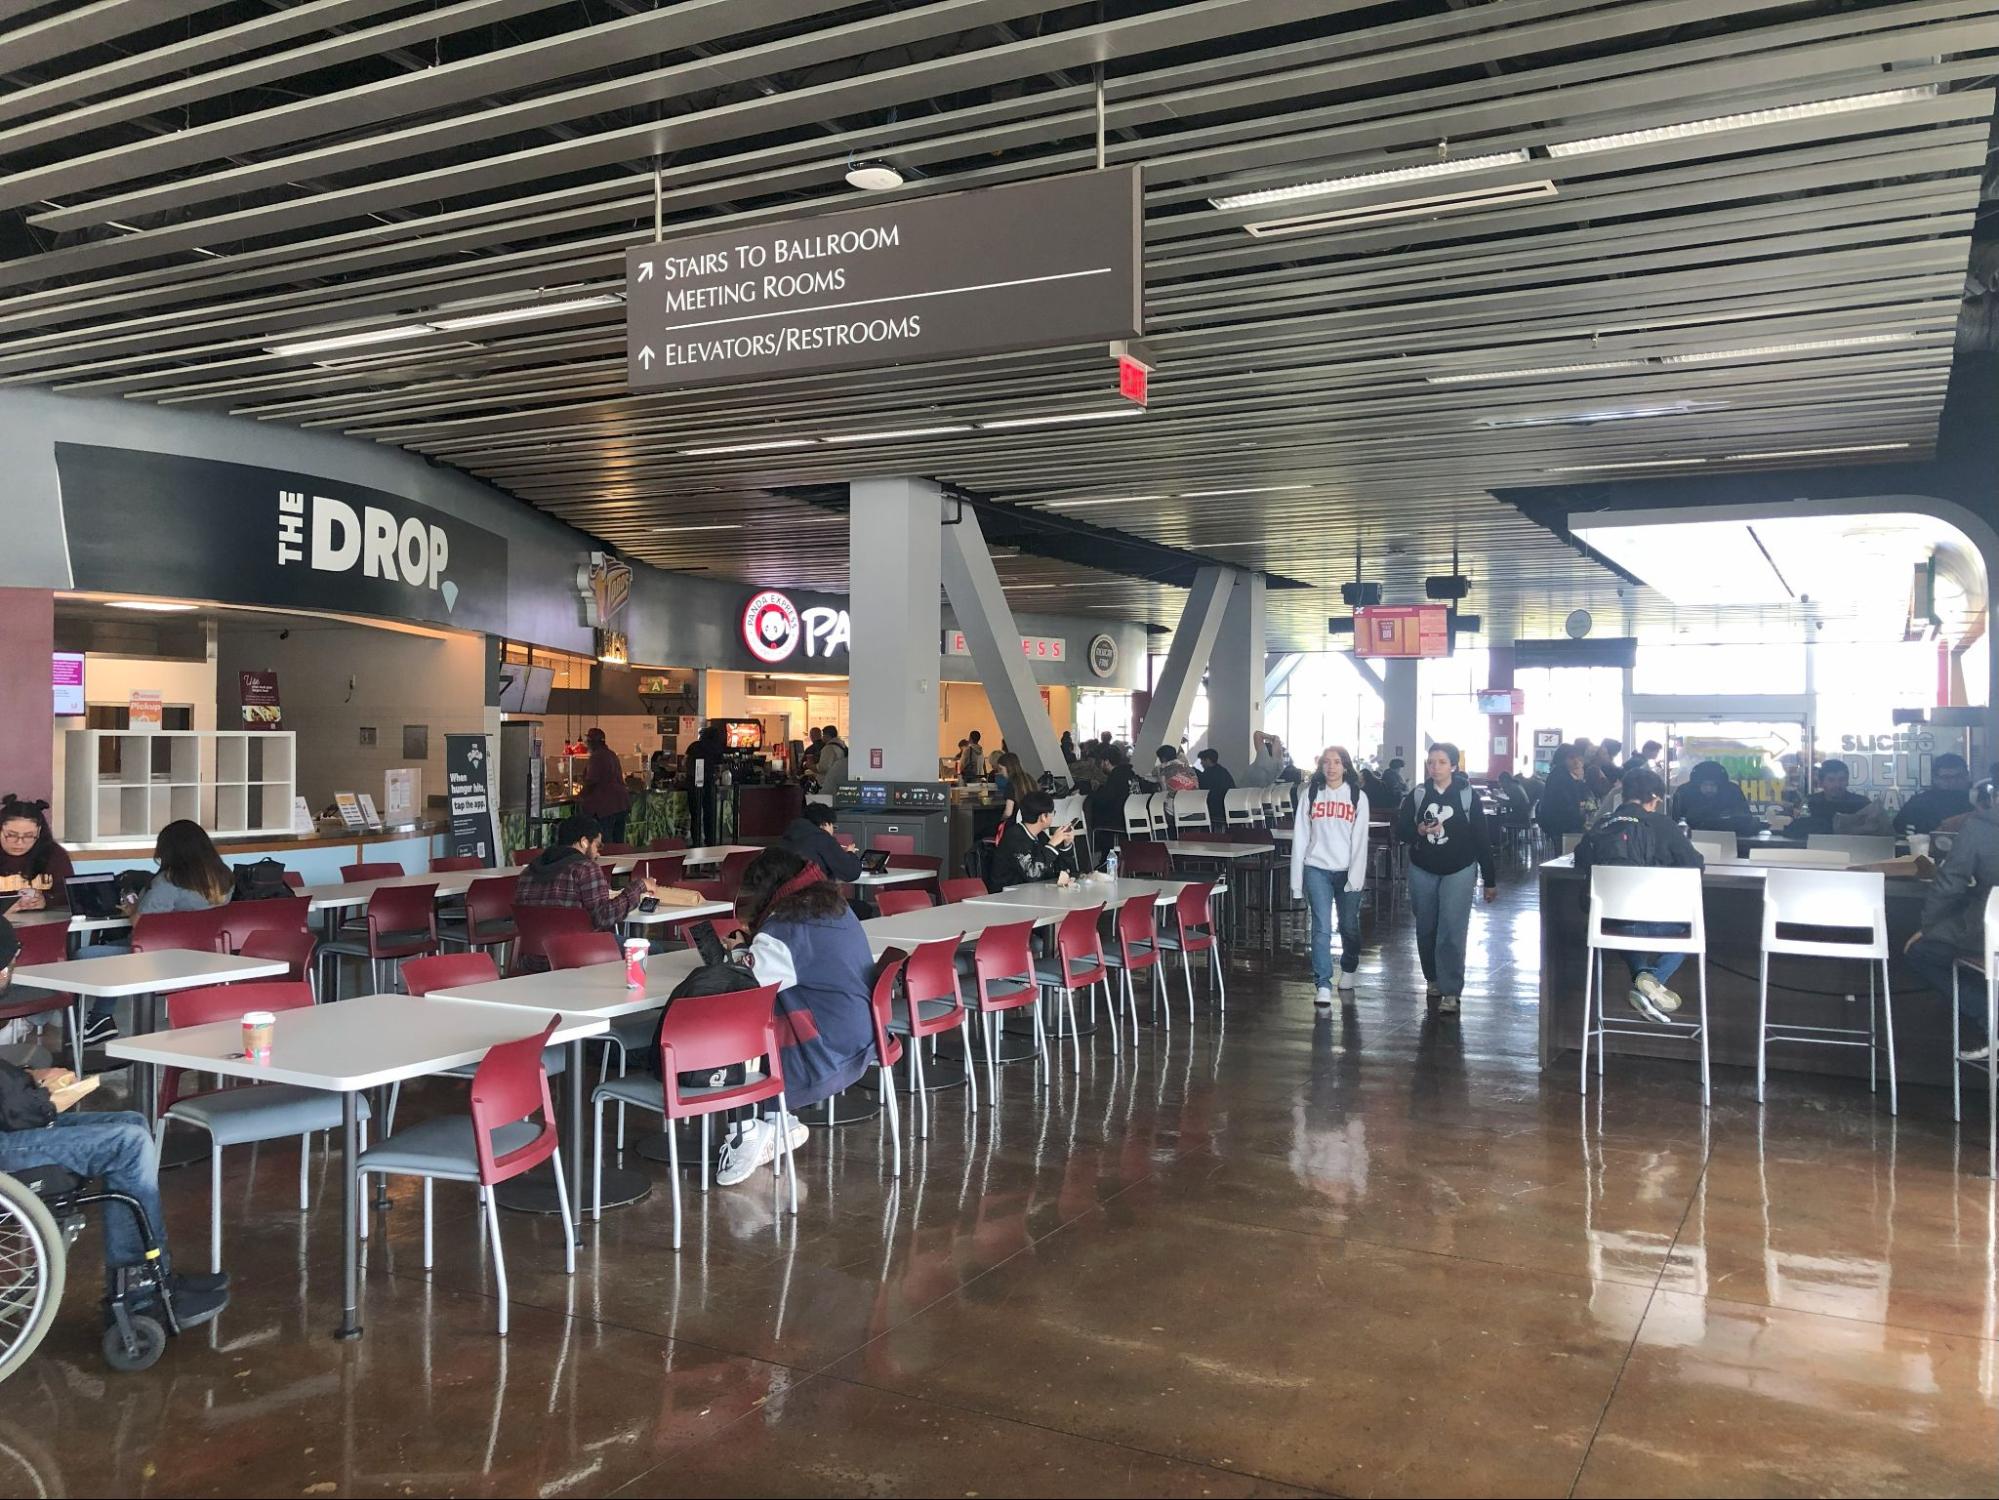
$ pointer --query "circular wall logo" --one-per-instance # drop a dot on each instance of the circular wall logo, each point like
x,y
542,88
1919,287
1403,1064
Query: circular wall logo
x,y
1103,655
770,626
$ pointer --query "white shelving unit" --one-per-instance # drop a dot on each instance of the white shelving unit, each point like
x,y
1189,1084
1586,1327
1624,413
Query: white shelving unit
x,y
123,787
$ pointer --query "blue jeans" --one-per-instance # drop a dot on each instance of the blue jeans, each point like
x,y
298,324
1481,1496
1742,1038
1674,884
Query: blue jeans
x,y
1935,962
102,1006
1443,919
1661,966
114,1146
1326,891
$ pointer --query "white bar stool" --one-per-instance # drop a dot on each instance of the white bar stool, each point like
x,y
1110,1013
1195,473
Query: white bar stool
x,y
1640,893
1854,900
1990,979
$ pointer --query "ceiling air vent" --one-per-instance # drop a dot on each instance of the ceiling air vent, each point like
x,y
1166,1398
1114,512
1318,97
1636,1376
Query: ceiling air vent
x,y
1406,208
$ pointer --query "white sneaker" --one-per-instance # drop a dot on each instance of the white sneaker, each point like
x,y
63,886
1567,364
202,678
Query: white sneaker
x,y
1662,998
1323,996
1447,1005
1346,982
1431,992
1976,1054
748,1147
800,1132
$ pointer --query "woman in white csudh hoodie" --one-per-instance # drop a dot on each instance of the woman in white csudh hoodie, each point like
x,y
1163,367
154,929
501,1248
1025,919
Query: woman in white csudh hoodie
x,y
1329,865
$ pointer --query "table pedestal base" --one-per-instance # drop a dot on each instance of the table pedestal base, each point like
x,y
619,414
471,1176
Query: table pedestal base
x,y
851,1108
534,1192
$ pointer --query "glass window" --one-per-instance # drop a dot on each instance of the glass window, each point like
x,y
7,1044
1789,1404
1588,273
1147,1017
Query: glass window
x,y
1741,667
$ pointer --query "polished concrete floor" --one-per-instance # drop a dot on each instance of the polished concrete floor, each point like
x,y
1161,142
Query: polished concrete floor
x,y
1370,1254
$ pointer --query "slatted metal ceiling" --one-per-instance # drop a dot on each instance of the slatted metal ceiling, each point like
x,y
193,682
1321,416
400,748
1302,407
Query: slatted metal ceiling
x,y
178,198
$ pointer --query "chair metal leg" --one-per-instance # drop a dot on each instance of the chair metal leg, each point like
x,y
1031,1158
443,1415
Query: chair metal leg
x,y
304,1163
215,1207
1589,1014
360,1203
500,1256
395,1098
1075,1032
971,1065
992,1060
790,1156
568,1223
1763,1021
1888,1030
1707,1087
1187,974
918,1099
672,1177
597,1159
1956,1046
895,1113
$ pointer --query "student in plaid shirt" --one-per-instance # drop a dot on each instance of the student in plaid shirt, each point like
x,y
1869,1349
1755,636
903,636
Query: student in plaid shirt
x,y
567,874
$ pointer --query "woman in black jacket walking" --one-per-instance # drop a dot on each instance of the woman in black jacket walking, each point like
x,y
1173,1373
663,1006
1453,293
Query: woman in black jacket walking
x,y
1444,826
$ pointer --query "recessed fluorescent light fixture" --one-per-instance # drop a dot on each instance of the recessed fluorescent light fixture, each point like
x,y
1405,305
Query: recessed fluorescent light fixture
x,y
1083,504
1607,414
150,606
1740,458
1074,416
710,526
1810,346
1254,489
1388,177
1405,208
1581,369
352,340
1030,585
523,314
769,446
904,432
1645,463
1748,120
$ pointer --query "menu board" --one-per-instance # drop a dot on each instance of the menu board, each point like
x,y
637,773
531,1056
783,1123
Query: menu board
x,y
66,674
467,761
1402,630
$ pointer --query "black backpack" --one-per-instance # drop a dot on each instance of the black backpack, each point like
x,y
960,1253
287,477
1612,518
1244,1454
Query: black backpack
x,y
261,880
1621,839
24,1104
708,979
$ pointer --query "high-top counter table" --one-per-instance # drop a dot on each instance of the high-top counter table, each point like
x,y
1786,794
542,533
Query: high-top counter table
x,y
1734,909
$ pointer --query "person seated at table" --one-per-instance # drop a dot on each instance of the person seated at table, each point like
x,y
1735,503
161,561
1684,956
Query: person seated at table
x,y
1394,781
1831,803
1516,805
1638,832
1712,801
1217,781
31,861
1952,925
566,873
114,1146
1106,804
1947,796
813,834
1563,806
804,940
1029,851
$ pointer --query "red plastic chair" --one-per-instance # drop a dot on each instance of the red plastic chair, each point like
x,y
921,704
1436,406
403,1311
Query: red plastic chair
x,y
1138,948
249,1112
929,863
1003,967
668,844
1079,965
660,869
932,1003
535,925
295,880
700,1034
890,902
451,863
170,931
1144,858
46,943
501,1139
238,920
386,869
616,849
962,888
450,971
888,1048
579,950
894,843
401,923
730,876
292,946
1194,932
521,856
488,913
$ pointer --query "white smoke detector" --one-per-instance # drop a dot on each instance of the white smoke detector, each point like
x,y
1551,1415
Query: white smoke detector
x,y
873,176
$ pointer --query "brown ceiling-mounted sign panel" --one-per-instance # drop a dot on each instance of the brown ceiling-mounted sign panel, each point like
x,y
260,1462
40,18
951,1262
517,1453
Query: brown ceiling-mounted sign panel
x,y
1032,265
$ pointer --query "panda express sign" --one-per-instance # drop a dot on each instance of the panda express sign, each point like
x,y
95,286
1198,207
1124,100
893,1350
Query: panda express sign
x,y
162,524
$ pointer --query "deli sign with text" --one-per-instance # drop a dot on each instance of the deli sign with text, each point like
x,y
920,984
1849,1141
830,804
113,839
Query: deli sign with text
x,y
195,528
1027,266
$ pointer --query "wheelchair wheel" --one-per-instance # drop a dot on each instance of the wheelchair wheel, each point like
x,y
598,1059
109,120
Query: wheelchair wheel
x,y
149,1342
33,1262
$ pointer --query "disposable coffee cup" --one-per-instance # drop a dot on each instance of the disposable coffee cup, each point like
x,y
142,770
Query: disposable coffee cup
x,y
258,1027
636,950
1919,843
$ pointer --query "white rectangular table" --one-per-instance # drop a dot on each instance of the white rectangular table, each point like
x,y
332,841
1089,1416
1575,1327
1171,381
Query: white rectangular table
x,y
638,921
48,916
1090,890
363,1043
929,924
711,854
869,878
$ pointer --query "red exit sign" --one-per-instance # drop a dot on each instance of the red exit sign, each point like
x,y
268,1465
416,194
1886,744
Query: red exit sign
x,y
1131,379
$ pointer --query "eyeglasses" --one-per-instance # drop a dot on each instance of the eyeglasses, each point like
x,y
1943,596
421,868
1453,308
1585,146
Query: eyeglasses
x,y
9,836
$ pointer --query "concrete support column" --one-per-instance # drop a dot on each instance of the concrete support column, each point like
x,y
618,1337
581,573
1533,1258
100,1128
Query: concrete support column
x,y
898,626
994,641
1237,673
1499,726
1398,710
1186,659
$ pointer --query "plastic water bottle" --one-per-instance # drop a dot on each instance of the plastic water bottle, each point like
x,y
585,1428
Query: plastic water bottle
x,y
1110,864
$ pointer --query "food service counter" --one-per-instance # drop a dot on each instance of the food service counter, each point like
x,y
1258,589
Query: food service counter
x,y
317,857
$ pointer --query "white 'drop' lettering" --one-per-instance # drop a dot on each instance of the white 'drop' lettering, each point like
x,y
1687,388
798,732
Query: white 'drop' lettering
x,y
826,630
408,551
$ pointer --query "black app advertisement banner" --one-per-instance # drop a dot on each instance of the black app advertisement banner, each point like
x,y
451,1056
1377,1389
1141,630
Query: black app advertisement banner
x,y
196,528
467,759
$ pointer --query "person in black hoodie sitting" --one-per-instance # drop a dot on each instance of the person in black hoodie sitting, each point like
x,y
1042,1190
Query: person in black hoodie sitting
x,y
1640,833
1561,807
813,836
1832,801
1443,823
1947,796
1029,851
1105,806
1711,801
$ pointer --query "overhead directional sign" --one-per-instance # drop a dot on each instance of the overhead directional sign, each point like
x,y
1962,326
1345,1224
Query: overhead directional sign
x,y
1033,265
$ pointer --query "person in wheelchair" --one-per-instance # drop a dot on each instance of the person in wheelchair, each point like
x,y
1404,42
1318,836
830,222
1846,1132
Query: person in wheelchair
x,y
114,1146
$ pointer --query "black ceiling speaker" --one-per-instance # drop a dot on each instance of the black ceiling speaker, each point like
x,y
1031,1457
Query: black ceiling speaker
x,y
1336,625
1360,595
1451,586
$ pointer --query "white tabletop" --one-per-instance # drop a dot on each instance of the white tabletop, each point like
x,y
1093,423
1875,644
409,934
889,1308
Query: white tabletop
x,y
596,990
47,916
356,1044
1091,890
1195,849
665,913
891,877
146,973
713,854
351,893
931,923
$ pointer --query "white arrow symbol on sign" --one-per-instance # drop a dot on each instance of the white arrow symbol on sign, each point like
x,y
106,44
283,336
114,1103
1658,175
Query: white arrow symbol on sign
x,y
645,270
646,356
